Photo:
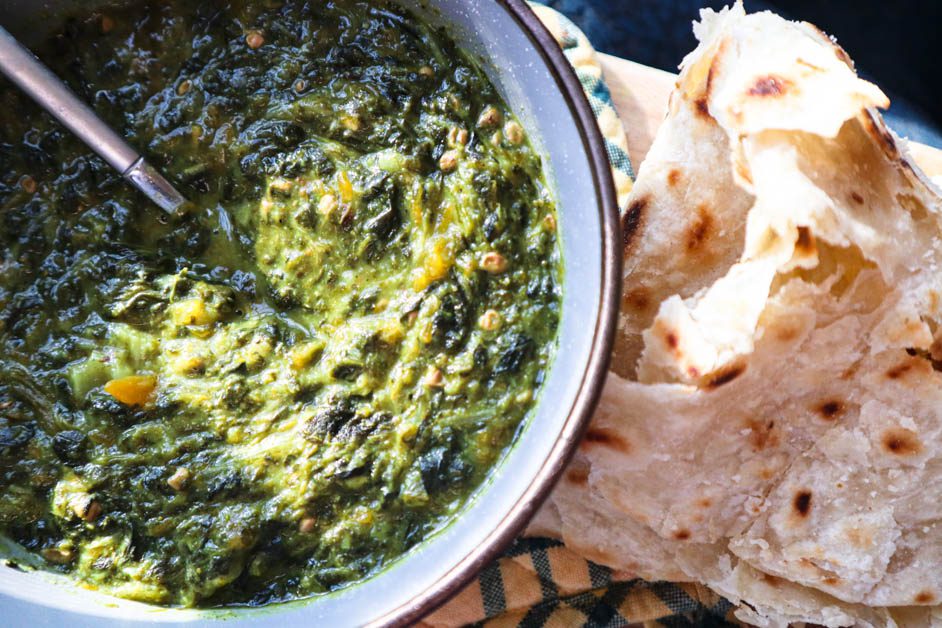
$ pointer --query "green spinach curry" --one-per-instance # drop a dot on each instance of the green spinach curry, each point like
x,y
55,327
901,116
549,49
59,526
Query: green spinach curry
x,y
286,387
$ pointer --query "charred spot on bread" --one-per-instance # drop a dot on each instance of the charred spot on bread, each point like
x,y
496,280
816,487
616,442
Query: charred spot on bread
x,y
831,409
673,177
699,230
924,597
681,535
577,475
724,376
857,197
804,245
762,434
900,441
787,333
606,438
667,335
850,371
631,221
702,108
769,86
802,503
899,370
637,299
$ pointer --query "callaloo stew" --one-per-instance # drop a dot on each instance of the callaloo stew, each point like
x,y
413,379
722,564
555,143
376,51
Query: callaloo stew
x,y
311,369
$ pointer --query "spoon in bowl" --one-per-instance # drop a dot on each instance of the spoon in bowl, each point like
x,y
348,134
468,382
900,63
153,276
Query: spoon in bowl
x,y
38,81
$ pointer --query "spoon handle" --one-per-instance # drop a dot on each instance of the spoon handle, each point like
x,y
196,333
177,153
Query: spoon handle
x,y
34,78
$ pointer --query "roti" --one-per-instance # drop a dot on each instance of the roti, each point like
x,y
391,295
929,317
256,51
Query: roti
x,y
772,427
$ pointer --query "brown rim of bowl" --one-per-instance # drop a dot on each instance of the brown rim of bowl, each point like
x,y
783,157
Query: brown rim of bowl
x,y
593,378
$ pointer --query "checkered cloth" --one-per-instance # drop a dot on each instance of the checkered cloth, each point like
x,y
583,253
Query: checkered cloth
x,y
539,582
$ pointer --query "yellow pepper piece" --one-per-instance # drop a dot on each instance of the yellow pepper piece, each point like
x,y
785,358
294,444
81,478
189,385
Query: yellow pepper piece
x,y
435,265
133,390
191,312
344,187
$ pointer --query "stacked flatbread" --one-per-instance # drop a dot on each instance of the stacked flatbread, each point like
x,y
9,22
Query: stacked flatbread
x,y
774,426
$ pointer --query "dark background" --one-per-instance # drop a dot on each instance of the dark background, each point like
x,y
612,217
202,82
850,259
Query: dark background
x,y
896,44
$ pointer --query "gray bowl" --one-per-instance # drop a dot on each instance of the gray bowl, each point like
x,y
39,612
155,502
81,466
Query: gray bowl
x,y
528,67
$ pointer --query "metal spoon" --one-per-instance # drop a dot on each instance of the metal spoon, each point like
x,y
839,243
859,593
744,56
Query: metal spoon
x,y
38,81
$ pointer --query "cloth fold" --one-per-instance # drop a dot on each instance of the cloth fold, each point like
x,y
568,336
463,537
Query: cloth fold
x,y
538,582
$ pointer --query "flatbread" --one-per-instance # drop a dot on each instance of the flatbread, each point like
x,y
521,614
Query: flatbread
x,y
773,425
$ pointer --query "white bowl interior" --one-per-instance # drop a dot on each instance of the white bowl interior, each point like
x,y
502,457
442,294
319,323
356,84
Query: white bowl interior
x,y
528,85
